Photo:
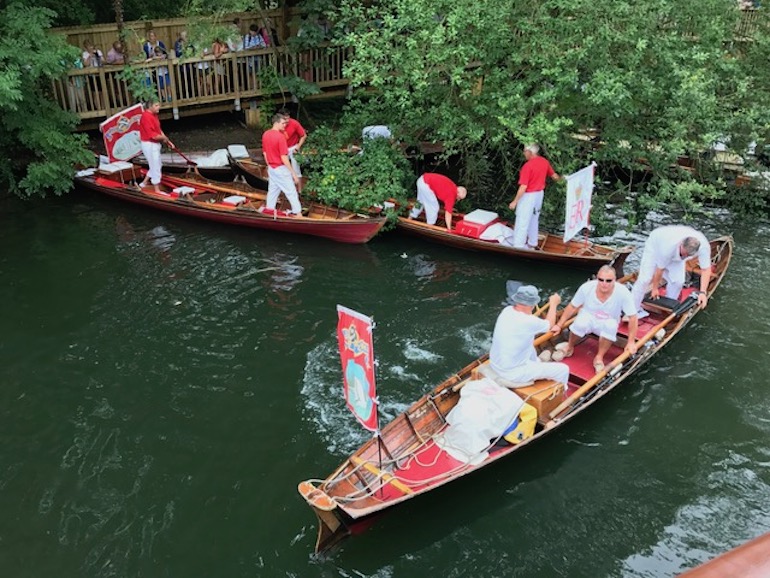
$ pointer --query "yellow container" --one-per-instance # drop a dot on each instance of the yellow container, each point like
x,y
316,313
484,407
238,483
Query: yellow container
x,y
523,427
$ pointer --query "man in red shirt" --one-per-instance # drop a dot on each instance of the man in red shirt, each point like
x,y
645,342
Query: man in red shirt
x,y
281,175
152,137
529,197
432,187
295,138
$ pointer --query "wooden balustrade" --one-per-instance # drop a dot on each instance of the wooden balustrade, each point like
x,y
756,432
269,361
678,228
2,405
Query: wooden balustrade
x,y
194,83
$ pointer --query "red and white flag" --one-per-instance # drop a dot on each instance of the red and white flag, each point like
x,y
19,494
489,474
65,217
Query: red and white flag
x,y
580,187
354,336
121,134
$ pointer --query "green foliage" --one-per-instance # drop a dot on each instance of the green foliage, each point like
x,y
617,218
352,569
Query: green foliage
x,y
649,81
356,182
36,135
136,82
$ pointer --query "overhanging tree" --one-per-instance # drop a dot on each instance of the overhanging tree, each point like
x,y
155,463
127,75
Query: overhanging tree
x,y
36,135
646,81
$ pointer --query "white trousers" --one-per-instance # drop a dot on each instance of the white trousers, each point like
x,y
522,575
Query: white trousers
x,y
151,152
527,223
528,372
585,323
673,274
293,161
428,201
279,179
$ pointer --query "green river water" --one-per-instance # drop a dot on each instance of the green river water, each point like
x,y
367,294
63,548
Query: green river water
x,y
167,383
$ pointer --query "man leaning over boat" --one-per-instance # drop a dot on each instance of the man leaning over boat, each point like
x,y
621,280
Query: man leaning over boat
x,y
432,188
599,305
665,255
513,357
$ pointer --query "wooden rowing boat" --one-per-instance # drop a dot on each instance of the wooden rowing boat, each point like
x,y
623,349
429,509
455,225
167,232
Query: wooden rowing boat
x,y
217,203
211,164
551,248
408,459
253,171
749,560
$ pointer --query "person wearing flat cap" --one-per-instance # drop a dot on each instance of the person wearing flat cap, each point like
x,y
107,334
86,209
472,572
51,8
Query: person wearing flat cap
x,y
513,356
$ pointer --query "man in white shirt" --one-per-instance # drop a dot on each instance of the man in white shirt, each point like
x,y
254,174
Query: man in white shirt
x,y
513,356
666,252
600,304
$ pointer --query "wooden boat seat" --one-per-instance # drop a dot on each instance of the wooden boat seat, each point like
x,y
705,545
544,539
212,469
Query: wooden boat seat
x,y
543,394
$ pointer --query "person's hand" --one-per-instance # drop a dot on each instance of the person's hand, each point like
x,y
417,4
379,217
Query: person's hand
x,y
512,205
703,300
295,178
554,300
655,292
556,329
631,347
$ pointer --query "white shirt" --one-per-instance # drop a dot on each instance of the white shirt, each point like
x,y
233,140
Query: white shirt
x,y
664,244
618,303
512,339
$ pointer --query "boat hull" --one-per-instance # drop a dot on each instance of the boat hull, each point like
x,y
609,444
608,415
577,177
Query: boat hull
x,y
351,229
551,248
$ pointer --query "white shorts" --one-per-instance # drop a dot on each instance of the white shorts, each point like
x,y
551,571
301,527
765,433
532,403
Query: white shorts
x,y
586,323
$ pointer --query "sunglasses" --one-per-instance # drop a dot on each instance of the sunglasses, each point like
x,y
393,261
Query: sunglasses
x,y
605,280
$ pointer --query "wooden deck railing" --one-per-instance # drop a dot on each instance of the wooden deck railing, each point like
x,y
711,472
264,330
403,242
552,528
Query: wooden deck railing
x,y
183,84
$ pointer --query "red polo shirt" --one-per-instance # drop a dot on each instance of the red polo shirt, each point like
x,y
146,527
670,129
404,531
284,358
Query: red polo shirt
x,y
293,132
273,146
444,188
149,127
534,172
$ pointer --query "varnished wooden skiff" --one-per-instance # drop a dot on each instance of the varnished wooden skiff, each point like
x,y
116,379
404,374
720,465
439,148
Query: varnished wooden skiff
x,y
406,461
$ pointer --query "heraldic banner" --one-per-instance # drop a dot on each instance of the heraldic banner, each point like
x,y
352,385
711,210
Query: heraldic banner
x,y
121,134
580,187
354,335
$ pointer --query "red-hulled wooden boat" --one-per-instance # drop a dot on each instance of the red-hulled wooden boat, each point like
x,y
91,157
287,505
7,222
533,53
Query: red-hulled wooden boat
x,y
410,457
551,248
246,209
749,560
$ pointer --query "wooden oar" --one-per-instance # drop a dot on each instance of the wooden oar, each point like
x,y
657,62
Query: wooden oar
x,y
181,154
685,306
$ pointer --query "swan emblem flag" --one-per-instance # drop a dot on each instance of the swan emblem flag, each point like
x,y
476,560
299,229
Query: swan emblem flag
x,y
121,134
354,336
580,187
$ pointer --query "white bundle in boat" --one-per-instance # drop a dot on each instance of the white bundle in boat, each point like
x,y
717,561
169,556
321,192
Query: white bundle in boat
x,y
216,159
484,412
498,232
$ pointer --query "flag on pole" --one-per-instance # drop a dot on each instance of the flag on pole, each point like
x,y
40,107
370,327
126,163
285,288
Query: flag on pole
x,y
121,134
580,187
354,336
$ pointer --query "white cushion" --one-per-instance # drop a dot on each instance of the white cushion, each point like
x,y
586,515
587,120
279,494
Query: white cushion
x,y
234,200
183,190
115,167
480,217
238,151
